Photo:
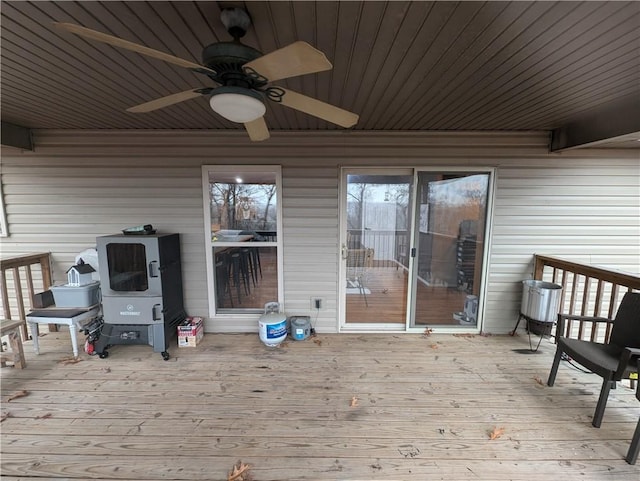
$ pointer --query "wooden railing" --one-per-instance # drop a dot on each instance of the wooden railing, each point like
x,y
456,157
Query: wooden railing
x,y
17,271
586,291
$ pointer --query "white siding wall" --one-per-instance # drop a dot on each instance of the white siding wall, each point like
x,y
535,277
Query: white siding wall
x,y
581,205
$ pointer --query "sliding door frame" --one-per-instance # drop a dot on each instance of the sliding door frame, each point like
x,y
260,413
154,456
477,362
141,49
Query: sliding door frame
x,y
413,212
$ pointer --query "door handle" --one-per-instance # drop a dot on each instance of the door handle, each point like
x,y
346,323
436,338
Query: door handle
x,y
344,252
152,271
154,311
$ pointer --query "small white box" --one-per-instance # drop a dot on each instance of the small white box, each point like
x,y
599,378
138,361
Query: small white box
x,y
76,296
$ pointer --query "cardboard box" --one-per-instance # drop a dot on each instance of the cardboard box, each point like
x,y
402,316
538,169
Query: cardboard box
x,y
190,332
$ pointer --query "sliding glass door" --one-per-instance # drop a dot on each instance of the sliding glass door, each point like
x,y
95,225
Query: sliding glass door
x,y
375,247
449,245
413,248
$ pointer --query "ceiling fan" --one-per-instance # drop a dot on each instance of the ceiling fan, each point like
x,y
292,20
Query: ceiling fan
x,y
243,76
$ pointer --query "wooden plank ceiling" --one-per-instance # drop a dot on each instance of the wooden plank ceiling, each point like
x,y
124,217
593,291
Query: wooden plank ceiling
x,y
399,65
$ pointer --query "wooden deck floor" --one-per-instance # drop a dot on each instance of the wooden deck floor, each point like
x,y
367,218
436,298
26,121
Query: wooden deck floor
x,y
424,409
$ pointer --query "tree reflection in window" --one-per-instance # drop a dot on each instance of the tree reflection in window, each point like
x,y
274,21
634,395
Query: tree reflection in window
x,y
243,206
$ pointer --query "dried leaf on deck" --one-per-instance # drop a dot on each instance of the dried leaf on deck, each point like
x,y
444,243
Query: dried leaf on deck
x,y
427,332
467,335
433,346
69,360
354,402
44,416
18,394
496,433
538,380
106,369
240,472
318,342
5,416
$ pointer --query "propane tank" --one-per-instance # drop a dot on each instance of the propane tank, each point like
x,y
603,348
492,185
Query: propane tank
x,y
272,325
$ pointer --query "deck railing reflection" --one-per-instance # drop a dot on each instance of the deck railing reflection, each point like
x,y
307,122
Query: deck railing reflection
x,y
390,247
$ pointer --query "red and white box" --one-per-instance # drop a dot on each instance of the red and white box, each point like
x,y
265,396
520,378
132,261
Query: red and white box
x,y
191,331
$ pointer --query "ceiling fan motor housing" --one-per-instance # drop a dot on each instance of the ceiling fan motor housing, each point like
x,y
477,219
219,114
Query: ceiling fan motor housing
x,y
227,60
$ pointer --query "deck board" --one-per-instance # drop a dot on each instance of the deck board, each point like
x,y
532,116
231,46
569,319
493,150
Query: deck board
x,y
425,408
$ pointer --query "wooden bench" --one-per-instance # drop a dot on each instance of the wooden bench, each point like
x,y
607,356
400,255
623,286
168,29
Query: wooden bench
x,y
12,329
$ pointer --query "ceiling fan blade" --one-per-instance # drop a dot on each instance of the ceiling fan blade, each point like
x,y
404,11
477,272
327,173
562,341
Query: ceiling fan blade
x,y
299,58
118,42
257,129
319,109
165,101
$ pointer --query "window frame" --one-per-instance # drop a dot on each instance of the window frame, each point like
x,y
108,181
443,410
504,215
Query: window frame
x,y
239,313
4,232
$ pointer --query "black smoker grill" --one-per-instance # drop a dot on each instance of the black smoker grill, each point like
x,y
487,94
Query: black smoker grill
x,y
141,282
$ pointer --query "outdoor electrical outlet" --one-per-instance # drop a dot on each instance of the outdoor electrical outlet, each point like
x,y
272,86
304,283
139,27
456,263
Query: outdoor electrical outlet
x,y
316,303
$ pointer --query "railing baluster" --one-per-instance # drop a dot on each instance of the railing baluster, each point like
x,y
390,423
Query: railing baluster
x,y
563,294
598,302
574,290
30,284
612,303
18,287
5,296
585,305
597,309
585,296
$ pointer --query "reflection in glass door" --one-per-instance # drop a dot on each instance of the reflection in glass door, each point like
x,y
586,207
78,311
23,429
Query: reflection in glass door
x,y
449,240
375,249
412,257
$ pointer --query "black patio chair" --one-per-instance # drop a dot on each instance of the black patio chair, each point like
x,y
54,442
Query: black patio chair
x,y
632,455
613,361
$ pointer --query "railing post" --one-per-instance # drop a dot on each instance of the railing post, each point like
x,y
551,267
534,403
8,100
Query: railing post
x,y
45,267
538,268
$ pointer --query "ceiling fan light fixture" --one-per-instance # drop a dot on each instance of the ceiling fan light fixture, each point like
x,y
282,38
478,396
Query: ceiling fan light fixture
x,y
237,104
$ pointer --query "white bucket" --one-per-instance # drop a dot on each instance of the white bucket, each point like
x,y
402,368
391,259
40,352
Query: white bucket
x,y
272,326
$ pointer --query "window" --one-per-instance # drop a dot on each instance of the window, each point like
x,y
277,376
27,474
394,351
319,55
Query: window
x,y
242,226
